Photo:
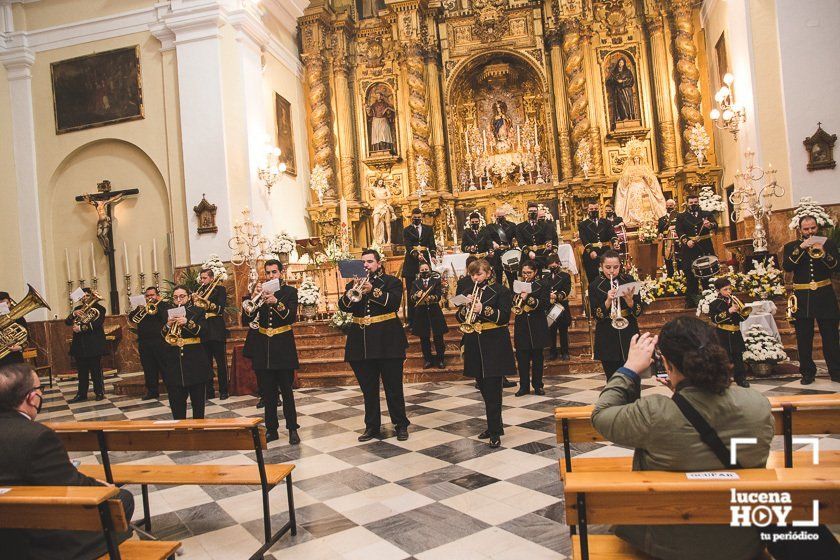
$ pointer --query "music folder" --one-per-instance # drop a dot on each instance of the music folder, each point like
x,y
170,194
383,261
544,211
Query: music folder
x,y
352,268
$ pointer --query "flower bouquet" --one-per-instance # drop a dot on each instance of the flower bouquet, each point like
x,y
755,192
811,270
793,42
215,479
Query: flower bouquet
x,y
341,320
808,207
709,295
335,252
648,290
670,286
763,350
763,282
710,201
282,245
215,264
309,296
647,232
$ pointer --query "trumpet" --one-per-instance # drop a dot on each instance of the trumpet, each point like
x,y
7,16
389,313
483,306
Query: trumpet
x,y
201,295
740,305
815,252
517,308
141,311
618,322
89,313
173,334
468,326
355,294
792,308
250,306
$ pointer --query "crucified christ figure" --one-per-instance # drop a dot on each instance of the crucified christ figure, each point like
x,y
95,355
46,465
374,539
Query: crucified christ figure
x,y
103,223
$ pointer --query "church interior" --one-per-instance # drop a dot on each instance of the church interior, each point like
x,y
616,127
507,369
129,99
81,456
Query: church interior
x,y
356,177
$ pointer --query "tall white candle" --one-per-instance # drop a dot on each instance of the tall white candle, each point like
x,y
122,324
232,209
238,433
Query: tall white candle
x,y
125,258
154,255
93,260
140,254
81,268
67,261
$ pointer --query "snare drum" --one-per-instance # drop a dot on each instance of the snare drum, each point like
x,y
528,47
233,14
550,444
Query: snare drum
x,y
511,260
554,314
705,266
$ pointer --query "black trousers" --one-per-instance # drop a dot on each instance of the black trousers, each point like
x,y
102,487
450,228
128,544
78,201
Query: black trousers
x,y
610,367
563,331
368,373
150,360
178,400
426,346
215,350
409,282
805,345
669,266
736,356
269,380
499,270
87,368
530,364
491,392
590,266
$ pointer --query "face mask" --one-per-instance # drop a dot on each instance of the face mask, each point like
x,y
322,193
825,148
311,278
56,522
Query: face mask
x,y
500,220
554,269
540,220
532,215
416,221
610,214
474,227
694,207
593,214
425,274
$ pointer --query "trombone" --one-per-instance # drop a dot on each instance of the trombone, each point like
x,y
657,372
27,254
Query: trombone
x,y
469,324
428,290
201,295
141,311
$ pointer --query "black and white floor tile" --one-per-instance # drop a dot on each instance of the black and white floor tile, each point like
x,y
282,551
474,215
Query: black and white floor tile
x,y
442,494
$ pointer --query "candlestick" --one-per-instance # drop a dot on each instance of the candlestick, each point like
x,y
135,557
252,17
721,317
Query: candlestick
x,y
140,254
127,290
467,141
156,276
82,283
484,140
142,282
69,291
93,260
154,255
67,261
81,268
536,138
125,258
94,283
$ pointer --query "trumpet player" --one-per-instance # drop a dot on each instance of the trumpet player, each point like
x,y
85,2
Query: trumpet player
x,y
727,314
212,298
488,354
559,284
615,316
15,356
420,247
530,331
814,299
88,345
187,369
150,319
426,293
666,227
376,344
272,350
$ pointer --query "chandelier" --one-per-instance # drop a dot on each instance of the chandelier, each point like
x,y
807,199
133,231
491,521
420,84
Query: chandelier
x,y
727,115
755,189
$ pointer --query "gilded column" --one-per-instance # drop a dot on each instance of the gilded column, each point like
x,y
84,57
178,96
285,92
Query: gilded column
x,y
576,81
344,112
415,71
687,70
560,99
662,90
436,121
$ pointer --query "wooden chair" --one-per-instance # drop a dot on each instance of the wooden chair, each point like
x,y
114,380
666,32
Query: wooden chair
x,y
669,498
78,508
214,434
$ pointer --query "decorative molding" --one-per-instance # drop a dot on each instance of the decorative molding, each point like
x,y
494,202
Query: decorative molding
x,y
18,63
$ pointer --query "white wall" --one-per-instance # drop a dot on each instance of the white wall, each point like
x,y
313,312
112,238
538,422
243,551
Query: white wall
x,y
809,37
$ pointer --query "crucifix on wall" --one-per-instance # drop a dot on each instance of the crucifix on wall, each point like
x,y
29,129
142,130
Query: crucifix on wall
x,y
104,201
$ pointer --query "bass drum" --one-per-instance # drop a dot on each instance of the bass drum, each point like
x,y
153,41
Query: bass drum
x,y
554,314
705,266
511,259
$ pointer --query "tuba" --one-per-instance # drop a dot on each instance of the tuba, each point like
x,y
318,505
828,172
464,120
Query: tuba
x,y
12,334
618,322
89,312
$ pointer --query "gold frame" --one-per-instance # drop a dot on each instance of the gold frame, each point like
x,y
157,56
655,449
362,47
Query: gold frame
x,y
289,159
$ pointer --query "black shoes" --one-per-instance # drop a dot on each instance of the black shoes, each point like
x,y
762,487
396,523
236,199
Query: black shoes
x,y
477,386
552,355
223,396
486,434
402,433
150,397
294,438
261,403
540,392
742,383
369,434
211,394
427,365
440,364
495,441
100,397
508,384
522,392
564,358
271,435
807,379
78,398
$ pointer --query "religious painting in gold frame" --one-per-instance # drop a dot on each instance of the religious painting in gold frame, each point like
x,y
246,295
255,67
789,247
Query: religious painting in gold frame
x,y
97,90
285,134
381,120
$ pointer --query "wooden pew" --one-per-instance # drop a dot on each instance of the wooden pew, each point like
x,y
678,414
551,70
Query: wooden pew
x,y
814,414
661,498
237,434
78,508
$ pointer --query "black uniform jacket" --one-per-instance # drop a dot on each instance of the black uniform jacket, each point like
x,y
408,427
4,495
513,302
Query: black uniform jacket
x,y
820,303
90,342
428,316
690,227
612,344
380,340
149,328
187,363
214,328
502,234
15,357
476,242
530,328
267,348
727,324
666,221
596,237
530,236
415,245
488,354
560,284
614,221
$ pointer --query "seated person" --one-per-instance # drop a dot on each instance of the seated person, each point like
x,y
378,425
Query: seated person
x,y
699,372
32,455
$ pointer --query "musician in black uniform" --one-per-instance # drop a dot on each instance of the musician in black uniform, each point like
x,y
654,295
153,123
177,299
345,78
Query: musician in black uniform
x,y
214,334
667,228
376,344
610,216
187,369
611,344
150,319
88,347
552,239
502,236
533,236
530,331
812,268
727,314
475,240
694,228
420,247
488,354
597,237
426,293
15,356
273,352
558,282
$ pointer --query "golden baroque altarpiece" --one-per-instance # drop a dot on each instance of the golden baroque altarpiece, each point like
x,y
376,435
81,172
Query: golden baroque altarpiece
x,y
476,104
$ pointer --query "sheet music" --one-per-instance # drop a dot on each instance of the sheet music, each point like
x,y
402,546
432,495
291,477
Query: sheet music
x,y
4,308
458,300
137,301
631,287
271,286
176,312
813,240
520,287
77,294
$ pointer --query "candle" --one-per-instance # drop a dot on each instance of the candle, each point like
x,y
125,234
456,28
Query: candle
x,y
140,254
518,138
93,260
67,261
125,258
81,268
154,255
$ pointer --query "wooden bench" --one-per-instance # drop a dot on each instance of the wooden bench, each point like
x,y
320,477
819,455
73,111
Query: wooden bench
x,y
215,434
814,414
78,508
662,498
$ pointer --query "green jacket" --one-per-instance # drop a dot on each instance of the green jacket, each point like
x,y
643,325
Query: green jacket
x,y
665,440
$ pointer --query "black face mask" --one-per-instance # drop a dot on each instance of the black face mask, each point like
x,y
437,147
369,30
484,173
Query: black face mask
x,y
425,274
593,214
610,214
532,215
417,221
474,227
554,269
500,220
694,207
540,220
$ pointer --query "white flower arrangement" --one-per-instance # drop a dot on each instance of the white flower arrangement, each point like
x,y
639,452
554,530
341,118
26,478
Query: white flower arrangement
x,y
710,201
763,282
709,295
309,293
648,233
319,182
341,320
335,252
634,272
283,243
375,246
698,140
647,291
215,264
763,347
808,207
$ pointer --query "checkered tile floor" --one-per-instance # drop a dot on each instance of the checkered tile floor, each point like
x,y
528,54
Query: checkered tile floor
x,y
442,494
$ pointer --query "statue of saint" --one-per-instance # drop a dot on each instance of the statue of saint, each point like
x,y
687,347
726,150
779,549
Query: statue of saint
x,y
620,83
638,196
381,115
501,126
383,212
